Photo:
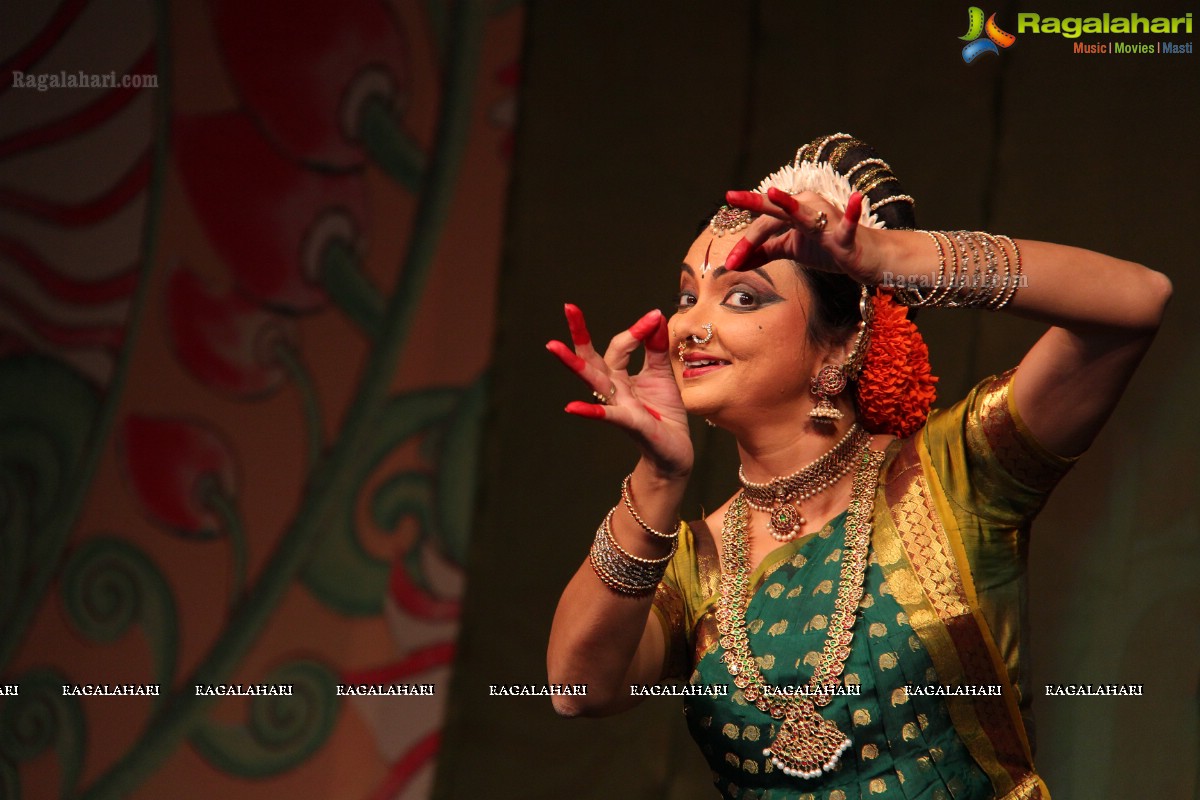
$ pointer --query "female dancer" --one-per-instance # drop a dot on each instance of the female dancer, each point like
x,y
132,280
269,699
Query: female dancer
x,y
851,620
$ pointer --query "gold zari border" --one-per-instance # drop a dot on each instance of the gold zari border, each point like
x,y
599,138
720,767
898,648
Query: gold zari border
x,y
918,546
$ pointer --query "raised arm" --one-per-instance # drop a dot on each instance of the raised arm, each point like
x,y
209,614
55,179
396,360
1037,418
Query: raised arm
x,y
1103,312
601,636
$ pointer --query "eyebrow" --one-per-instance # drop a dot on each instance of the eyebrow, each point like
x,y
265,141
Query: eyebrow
x,y
719,271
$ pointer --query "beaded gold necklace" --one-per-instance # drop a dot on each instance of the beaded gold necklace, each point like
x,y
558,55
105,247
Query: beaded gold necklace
x,y
807,744
781,497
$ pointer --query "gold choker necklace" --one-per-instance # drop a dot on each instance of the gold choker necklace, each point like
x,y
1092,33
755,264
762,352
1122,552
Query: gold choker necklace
x,y
807,744
781,497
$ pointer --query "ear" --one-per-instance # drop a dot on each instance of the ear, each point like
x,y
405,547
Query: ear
x,y
836,350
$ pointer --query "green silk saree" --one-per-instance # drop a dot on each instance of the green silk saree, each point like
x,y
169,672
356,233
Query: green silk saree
x,y
942,611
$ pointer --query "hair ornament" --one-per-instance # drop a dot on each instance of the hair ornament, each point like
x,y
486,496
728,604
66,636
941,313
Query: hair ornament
x,y
823,180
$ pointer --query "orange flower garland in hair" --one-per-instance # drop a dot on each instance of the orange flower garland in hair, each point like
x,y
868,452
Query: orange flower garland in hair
x,y
896,387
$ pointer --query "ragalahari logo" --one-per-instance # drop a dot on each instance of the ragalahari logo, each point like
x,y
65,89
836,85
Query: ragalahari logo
x,y
976,27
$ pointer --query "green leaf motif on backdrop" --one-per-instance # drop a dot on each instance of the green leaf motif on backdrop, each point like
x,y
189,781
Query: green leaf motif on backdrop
x,y
39,718
458,473
340,572
392,148
46,416
282,731
342,276
108,585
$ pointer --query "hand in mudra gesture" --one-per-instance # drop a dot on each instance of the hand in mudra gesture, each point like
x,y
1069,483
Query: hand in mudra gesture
x,y
646,404
809,229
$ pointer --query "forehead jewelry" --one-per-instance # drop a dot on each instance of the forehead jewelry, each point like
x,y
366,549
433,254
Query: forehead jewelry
x,y
729,220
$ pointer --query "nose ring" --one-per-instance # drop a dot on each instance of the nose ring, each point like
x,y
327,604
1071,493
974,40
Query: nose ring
x,y
707,327
683,343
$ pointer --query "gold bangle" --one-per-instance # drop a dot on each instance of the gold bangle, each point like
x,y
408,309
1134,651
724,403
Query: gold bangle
x,y
1015,283
648,562
620,570
627,497
938,296
973,279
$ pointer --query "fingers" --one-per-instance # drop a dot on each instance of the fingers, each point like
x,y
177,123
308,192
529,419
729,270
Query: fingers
x,y
621,348
744,255
599,374
621,416
657,343
846,230
659,340
579,332
806,218
751,201
645,326
807,214
582,409
598,379
584,361
567,356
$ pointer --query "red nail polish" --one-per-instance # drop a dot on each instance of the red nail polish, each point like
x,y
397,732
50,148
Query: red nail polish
x,y
581,409
659,340
854,206
644,326
566,355
782,199
578,328
736,255
751,201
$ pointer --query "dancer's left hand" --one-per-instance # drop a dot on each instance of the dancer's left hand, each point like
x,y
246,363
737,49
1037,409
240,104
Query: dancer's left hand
x,y
790,228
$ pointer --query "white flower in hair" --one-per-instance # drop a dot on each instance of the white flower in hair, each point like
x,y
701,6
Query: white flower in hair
x,y
822,179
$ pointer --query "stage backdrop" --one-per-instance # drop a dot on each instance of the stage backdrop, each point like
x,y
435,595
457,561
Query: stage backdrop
x,y
247,286
636,117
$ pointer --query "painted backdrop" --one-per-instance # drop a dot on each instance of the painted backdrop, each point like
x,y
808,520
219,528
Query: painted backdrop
x,y
246,307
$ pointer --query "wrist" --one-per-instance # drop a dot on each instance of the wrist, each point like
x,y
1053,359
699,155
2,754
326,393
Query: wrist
x,y
885,251
661,478
906,253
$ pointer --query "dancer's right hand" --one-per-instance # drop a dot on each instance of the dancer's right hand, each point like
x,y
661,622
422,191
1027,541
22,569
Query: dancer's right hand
x,y
647,405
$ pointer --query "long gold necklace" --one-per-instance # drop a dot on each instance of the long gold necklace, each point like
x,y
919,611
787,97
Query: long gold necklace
x,y
781,497
807,744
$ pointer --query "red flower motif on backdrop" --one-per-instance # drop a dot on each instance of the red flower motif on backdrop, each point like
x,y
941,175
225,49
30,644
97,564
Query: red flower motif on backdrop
x,y
172,464
267,217
222,339
416,600
304,68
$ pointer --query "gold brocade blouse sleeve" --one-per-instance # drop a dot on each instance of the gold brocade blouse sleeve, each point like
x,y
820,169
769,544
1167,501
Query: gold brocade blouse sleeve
x,y
995,478
673,609
989,463
682,597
